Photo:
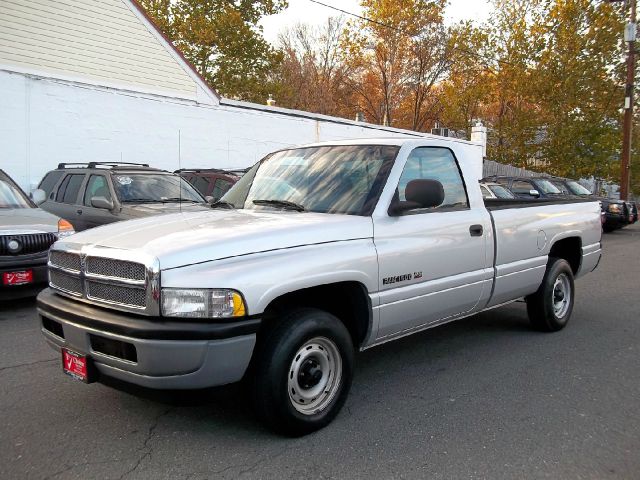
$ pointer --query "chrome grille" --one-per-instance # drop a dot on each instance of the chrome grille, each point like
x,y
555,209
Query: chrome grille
x,y
70,261
109,267
27,243
118,283
68,283
133,296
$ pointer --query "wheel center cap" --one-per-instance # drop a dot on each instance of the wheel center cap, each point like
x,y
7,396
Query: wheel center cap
x,y
310,374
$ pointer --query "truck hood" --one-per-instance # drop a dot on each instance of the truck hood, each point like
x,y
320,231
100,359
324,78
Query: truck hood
x,y
27,220
186,238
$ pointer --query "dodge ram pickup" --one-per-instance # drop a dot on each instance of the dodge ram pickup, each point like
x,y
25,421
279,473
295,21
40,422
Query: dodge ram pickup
x,y
315,253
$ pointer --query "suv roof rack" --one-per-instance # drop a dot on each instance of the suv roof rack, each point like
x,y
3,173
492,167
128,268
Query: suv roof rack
x,y
198,170
212,170
102,164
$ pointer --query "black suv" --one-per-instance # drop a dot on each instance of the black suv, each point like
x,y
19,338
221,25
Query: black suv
x,y
616,212
530,187
97,193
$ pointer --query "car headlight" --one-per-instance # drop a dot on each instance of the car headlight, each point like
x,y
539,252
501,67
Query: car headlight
x,y
202,303
65,228
615,208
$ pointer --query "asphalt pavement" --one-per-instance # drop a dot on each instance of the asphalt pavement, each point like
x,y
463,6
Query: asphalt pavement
x,y
482,398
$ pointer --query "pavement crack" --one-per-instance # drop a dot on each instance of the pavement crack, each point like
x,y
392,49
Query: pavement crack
x,y
145,448
10,367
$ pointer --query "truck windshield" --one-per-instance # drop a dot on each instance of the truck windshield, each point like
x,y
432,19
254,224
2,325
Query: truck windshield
x,y
577,189
501,192
11,196
152,187
547,187
332,179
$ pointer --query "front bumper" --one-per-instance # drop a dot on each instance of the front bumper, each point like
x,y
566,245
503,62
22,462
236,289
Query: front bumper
x,y
151,352
37,263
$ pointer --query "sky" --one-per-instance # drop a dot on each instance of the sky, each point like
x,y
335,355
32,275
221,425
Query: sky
x,y
304,11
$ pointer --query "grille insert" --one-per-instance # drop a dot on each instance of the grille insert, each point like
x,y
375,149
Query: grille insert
x,y
27,243
115,268
67,260
65,282
133,296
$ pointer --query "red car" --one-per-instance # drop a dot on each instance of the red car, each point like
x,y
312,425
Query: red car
x,y
211,182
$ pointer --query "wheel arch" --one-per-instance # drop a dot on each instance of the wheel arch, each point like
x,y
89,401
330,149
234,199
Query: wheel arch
x,y
570,249
349,301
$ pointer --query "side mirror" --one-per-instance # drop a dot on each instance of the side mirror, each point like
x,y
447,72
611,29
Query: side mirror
x,y
102,202
534,193
39,196
420,193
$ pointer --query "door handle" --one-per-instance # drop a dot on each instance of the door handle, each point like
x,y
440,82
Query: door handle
x,y
79,212
476,230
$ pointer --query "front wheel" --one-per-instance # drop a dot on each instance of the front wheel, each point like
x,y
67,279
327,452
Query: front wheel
x,y
549,309
303,370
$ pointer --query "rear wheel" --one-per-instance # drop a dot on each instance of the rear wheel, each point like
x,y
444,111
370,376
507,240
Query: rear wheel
x,y
550,308
302,372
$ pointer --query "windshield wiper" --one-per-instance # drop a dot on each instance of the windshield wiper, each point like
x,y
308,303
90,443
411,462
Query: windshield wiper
x,y
223,204
140,200
178,199
281,203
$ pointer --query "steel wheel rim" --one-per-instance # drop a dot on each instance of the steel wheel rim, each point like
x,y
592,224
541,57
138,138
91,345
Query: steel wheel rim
x,y
561,295
314,375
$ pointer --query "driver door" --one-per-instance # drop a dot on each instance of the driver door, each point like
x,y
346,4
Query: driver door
x,y
432,261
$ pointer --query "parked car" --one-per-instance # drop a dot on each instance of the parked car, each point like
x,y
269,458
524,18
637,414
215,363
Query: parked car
x,y
616,212
210,182
633,211
97,193
528,187
495,190
290,279
26,233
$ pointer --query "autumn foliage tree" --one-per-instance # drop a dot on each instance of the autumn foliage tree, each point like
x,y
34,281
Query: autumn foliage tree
x,y
397,55
223,40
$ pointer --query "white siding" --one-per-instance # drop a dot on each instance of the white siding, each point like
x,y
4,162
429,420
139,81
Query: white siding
x,y
101,41
44,122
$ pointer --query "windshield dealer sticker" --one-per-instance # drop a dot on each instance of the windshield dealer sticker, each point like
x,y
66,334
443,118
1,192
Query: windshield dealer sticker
x,y
402,278
124,180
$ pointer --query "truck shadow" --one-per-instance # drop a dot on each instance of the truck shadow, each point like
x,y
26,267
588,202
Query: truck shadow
x,y
433,353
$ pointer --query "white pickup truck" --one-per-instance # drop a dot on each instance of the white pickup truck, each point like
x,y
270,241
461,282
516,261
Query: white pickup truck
x,y
317,252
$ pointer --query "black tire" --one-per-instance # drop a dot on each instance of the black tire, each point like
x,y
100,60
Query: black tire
x,y
549,310
278,354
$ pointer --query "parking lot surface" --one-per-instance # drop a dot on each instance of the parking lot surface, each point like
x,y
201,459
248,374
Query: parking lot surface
x,y
485,397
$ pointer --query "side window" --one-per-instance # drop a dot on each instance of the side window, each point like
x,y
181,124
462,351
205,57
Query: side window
x,y
435,163
201,184
97,186
69,188
485,192
220,188
49,181
521,187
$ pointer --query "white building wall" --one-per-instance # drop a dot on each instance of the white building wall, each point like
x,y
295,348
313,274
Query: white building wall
x,y
45,121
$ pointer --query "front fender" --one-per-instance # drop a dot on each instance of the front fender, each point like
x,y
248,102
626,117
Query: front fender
x,y
263,277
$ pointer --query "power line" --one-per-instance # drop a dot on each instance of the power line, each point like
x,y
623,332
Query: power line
x,y
404,32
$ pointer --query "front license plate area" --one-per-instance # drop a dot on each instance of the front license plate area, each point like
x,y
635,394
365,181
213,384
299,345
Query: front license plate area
x,y
22,277
76,365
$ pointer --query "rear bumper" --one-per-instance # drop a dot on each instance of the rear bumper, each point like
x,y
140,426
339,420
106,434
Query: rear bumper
x,y
153,353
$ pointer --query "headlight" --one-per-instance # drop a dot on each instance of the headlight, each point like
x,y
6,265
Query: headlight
x,y
202,303
64,228
615,208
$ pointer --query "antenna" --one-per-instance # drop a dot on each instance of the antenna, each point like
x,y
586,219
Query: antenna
x,y
180,167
